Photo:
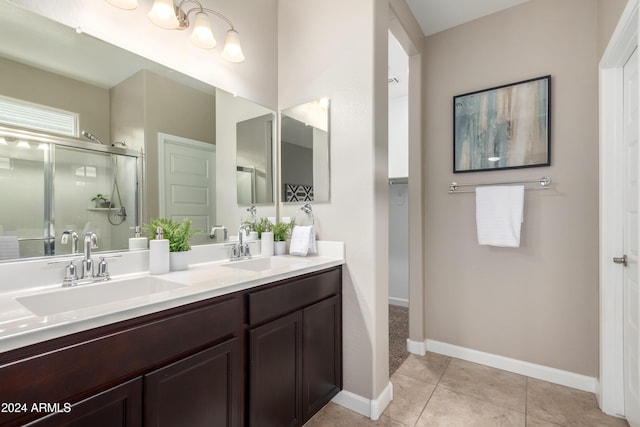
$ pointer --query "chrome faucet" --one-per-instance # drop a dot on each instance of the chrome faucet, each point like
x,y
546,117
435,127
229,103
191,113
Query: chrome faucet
x,y
90,242
241,250
64,239
219,233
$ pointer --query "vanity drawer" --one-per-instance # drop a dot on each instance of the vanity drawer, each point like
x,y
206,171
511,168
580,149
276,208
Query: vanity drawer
x,y
280,299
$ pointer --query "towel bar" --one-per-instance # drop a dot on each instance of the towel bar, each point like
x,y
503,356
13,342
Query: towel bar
x,y
544,183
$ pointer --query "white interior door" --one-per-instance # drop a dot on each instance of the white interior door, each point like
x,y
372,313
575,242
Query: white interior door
x,y
187,180
631,310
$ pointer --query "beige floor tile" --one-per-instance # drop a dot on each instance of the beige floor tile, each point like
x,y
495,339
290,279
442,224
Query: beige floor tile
x,y
409,398
333,415
566,406
537,422
448,408
483,382
428,368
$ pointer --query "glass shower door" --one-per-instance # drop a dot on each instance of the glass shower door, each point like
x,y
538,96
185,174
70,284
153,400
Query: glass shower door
x,y
24,221
95,191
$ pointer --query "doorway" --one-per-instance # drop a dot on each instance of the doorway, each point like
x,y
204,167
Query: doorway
x,y
407,32
619,232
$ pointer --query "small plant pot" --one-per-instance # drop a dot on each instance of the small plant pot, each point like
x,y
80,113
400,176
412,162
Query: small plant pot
x,y
178,261
279,248
103,205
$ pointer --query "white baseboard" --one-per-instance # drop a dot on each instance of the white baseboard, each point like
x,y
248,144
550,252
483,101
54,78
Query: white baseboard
x,y
541,372
401,302
417,347
369,408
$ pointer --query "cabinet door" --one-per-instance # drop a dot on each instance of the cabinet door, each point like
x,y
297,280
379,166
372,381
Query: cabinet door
x,y
275,373
120,406
322,354
199,390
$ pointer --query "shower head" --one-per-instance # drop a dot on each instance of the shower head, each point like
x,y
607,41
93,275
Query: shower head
x,y
91,137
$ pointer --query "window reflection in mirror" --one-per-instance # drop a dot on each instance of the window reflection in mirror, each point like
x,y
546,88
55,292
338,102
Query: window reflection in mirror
x,y
304,150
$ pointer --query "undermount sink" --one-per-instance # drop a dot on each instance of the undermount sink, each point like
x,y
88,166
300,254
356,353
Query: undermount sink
x,y
86,296
261,264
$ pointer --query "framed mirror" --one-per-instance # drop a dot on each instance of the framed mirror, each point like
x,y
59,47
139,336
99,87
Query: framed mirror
x,y
121,96
304,152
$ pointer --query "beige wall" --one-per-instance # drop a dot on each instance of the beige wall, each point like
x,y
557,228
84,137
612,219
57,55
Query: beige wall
x,y
334,49
609,12
537,303
42,87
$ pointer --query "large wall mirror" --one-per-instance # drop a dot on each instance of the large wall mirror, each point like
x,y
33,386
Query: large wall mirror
x,y
304,151
121,97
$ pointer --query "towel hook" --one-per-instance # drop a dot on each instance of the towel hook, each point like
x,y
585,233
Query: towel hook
x,y
306,208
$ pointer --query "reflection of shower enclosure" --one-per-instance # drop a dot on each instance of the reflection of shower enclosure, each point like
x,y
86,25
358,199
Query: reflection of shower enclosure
x,y
47,185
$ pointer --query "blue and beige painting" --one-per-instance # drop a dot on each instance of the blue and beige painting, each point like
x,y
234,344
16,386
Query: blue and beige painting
x,y
506,127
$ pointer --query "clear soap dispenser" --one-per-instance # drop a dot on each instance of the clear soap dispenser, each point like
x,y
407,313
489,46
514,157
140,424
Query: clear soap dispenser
x,y
159,254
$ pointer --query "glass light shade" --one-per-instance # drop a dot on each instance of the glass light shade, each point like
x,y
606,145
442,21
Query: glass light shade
x,y
202,35
23,145
124,4
3,141
163,14
232,50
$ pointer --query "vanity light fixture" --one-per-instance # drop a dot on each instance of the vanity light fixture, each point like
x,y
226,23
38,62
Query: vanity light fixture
x,y
23,144
165,14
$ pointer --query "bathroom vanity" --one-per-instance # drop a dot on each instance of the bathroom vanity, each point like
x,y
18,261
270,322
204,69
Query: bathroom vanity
x,y
262,348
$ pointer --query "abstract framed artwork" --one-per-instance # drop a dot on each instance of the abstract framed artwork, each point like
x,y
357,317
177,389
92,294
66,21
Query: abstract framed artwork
x,y
505,127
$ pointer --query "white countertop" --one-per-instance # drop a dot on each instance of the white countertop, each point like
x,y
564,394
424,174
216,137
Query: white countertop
x,y
20,327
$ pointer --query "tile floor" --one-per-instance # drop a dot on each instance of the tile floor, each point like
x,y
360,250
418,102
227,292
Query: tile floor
x,y
436,390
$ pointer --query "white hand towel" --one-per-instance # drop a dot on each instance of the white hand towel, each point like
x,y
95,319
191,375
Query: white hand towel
x,y
499,215
9,247
303,240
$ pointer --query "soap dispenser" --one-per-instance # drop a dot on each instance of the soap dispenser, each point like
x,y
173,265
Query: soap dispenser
x,y
137,242
159,254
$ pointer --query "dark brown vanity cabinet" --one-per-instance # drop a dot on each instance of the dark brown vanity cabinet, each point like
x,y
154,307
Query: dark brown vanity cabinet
x,y
187,366
295,349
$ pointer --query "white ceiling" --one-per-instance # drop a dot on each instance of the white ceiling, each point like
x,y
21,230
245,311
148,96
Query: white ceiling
x,y
435,16
438,15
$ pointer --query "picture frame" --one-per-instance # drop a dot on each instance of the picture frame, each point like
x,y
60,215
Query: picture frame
x,y
504,127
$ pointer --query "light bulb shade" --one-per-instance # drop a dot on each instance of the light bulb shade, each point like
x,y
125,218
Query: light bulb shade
x,y
202,35
163,14
124,4
232,50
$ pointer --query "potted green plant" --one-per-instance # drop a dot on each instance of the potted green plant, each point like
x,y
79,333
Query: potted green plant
x,y
261,226
178,235
280,234
101,201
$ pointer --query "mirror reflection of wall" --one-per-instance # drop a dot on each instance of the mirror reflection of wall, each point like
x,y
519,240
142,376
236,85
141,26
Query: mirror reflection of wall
x,y
304,145
238,119
119,96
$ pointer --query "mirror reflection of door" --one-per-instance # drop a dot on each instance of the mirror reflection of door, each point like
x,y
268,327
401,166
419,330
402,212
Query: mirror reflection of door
x,y
188,181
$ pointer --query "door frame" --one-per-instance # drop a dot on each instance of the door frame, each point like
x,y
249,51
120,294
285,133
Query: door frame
x,y
163,138
406,30
610,391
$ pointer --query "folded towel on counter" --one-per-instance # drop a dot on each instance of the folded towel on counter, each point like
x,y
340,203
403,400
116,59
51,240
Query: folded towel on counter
x,y
9,247
303,240
499,215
